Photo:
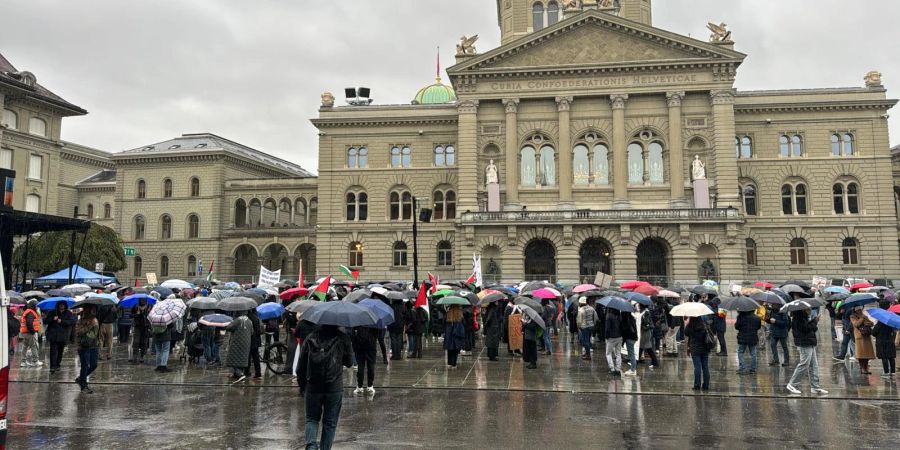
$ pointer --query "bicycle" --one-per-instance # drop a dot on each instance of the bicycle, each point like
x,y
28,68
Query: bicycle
x,y
275,356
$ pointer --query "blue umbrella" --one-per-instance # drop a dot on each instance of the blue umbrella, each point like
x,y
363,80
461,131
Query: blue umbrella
x,y
837,290
163,291
258,291
886,317
268,311
341,314
50,303
384,312
638,298
216,320
860,300
617,303
132,300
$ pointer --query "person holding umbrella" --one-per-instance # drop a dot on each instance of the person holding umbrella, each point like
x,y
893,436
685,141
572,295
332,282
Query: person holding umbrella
x,y
530,330
698,334
238,357
585,320
87,335
885,346
454,335
493,331
140,340
59,323
255,343
804,329
613,336
862,333
747,326
779,324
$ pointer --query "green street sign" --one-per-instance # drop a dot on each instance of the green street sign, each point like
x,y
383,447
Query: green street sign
x,y
129,251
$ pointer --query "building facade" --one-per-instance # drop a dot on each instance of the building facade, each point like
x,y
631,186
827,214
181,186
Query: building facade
x,y
589,141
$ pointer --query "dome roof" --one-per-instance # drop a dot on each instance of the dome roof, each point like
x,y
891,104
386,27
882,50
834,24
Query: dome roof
x,y
435,94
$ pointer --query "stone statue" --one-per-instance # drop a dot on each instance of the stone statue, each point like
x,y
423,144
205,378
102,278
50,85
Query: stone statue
x,y
492,268
491,176
605,4
571,4
708,269
698,169
327,100
873,78
466,46
720,32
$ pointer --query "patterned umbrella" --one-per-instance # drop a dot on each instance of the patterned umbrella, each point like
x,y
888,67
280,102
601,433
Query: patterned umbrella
x,y
167,312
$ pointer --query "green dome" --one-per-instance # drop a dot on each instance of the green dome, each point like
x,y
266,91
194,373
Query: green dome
x,y
435,94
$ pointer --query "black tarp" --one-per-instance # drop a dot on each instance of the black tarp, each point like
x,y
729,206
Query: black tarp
x,y
20,223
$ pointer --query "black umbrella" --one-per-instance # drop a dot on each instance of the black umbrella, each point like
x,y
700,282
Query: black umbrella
x,y
530,302
201,282
703,290
768,297
801,283
358,295
795,305
490,298
837,297
470,296
342,314
94,300
301,306
792,288
742,304
203,303
237,304
533,315
535,285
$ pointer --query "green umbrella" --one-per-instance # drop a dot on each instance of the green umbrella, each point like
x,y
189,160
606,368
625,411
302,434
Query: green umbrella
x,y
453,300
443,293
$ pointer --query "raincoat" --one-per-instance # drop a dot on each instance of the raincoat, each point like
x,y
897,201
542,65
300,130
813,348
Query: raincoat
x,y
239,345
864,347
492,327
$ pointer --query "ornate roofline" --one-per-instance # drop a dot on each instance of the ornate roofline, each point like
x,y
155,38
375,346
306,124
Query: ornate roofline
x,y
720,67
376,122
75,156
816,106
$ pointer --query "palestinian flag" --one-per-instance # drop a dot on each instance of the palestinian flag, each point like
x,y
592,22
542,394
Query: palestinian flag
x,y
321,290
354,274
434,282
422,300
212,266
471,280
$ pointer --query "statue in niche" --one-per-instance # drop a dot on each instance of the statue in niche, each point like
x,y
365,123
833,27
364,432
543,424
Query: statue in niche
x,y
492,268
698,169
708,269
491,174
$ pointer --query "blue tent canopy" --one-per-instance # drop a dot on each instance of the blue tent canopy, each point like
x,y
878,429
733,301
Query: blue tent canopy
x,y
79,275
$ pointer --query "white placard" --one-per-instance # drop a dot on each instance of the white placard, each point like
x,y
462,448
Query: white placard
x,y
268,278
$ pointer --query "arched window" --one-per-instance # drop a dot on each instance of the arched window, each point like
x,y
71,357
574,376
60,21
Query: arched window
x,y
395,157
787,199
284,212
438,206
852,198
141,189
406,157
407,206
836,149
440,157
601,164
165,227
656,163
838,194
300,212
846,197
850,251
107,211
193,226
167,188
352,158
138,267
743,147
849,145
37,127
400,205
451,205
751,252
314,210
800,198
793,199
355,258
444,253
139,228
451,155
357,206
255,212
90,211
552,13
10,119
635,164
395,205
791,146
400,254
444,205
842,144
195,187
240,213
33,203
164,266
581,165
192,266
798,252
363,158
528,166
548,166
748,192
537,16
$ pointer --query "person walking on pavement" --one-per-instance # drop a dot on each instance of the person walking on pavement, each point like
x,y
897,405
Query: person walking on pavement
x,y
107,317
848,343
747,326
454,335
646,343
804,329
320,376
396,330
697,332
548,312
779,324
886,348
613,336
862,333
87,334
630,336
140,340
493,330
125,322
586,319
162,341
530,331
719,325
30,328
59,323
238,357
365,346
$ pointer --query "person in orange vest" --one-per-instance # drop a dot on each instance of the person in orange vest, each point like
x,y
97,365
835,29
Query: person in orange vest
x,y
29,328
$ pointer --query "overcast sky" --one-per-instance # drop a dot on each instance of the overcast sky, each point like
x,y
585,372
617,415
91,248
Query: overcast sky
x,y
252,71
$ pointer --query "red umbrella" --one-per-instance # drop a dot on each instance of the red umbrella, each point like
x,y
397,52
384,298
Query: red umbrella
x,y
764,285
895,309
863,285
584,288
631,285
649,291
294,292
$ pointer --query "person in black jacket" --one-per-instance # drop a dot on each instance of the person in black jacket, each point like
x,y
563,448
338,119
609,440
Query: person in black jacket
x,y
255,343
719,325
107,317
417,330
804,330
630,336
886,348
696,332
747,326
320,376
779,324
493,321
59,323
396,329
140,339
365,348
613,336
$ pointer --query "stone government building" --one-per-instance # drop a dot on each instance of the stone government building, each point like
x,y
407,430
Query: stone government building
x,y
588,141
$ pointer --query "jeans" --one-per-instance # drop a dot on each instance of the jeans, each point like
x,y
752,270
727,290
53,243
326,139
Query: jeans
x,y
743,348
632,355
210,348
614,354
140,340
322,407
410,346
701,366
548,346
774,347
161,348
30,351
584,337
889,365
833,331
124,333
396,346
808,365
848,344
88,358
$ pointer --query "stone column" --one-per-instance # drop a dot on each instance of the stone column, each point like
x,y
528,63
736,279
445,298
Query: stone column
x,y
511,178
620,155
467,157
676,150
726,164
564,177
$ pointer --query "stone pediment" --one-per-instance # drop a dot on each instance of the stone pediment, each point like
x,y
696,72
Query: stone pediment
x,y
595,39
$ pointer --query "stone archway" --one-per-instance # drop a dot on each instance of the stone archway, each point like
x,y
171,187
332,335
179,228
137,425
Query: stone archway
x,y
491,272
246,262
306,254
708,263
275,257
540,260
594,256
653,262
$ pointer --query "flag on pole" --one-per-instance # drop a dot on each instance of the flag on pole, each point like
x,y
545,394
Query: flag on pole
x,y
476,270
209,276
321,290
434,282
354,274
471,280
137,283
300,277
422,300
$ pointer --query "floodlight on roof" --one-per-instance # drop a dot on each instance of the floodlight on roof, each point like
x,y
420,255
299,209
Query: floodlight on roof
x,y
358,96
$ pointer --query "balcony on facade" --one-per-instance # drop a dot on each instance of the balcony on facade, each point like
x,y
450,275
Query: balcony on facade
x,y
270,230
610,217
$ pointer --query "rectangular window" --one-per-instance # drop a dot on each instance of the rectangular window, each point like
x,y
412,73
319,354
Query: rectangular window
x,y
798,256
6,158
35,167
851,256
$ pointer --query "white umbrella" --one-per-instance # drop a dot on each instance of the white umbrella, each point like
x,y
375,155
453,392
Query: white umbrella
x,y
691,310
668,294
177,284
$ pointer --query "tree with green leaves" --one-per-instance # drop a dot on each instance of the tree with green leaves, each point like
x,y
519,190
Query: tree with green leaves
x,y
49,252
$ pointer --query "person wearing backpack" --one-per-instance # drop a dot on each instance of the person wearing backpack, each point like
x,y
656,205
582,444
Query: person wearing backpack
x,y
701,341
862,333
646,343
162,341
585,320
323,355
87,335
